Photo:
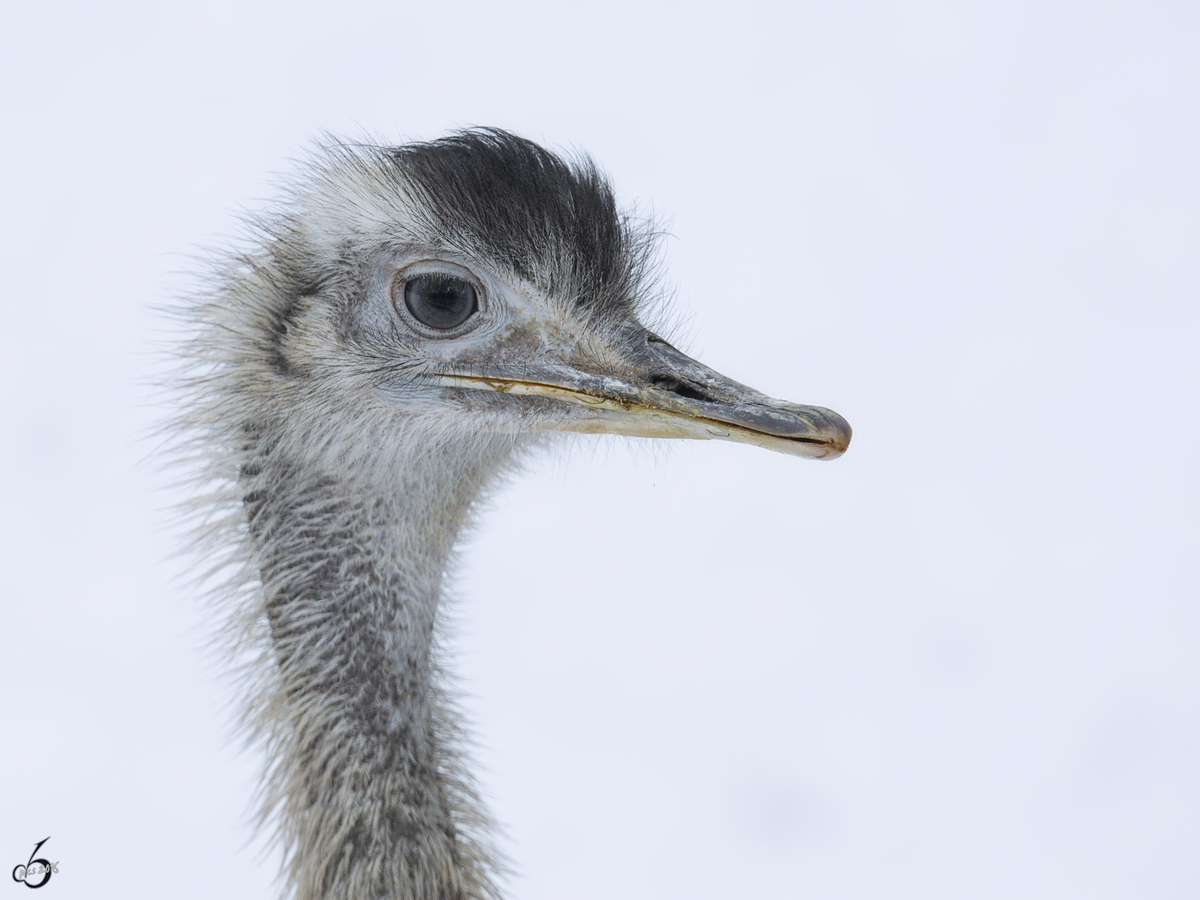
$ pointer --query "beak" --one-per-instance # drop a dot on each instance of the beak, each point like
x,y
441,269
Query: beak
x,y
657,391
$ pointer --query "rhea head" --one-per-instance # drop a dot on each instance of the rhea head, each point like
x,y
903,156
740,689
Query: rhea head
x,y
481,285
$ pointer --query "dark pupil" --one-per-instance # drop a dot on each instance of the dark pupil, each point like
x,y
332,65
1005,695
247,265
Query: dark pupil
x,y
440,301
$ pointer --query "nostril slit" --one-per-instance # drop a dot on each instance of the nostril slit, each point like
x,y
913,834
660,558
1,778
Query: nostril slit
x,y
675,386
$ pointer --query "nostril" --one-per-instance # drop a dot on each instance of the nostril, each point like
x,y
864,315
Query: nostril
x,y
675,386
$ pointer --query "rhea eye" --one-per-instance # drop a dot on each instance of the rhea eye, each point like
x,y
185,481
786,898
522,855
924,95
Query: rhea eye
x,y
440,301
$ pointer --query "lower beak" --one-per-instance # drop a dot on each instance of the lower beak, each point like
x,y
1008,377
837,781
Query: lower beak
x,y
664,393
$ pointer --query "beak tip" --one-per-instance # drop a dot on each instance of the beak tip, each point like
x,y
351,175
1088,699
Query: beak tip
x,y
841,442
835,432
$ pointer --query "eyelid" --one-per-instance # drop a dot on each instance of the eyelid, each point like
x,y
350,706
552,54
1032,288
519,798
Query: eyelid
x,y
402,275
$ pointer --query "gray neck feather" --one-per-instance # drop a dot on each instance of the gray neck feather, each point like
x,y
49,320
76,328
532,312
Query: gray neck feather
x,y
373,799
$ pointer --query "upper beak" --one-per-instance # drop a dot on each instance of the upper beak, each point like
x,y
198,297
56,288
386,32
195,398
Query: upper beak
x,y
657,391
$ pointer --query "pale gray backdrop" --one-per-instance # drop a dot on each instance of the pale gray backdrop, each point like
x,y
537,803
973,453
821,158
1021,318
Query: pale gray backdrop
x,y
960,662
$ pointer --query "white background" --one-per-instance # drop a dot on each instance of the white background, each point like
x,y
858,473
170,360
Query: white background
x,y
960,662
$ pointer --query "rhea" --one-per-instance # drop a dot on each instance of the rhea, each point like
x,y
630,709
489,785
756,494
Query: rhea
x,y
407,322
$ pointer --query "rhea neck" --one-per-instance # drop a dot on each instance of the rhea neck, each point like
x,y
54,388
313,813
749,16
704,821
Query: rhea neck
x,y
372,799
